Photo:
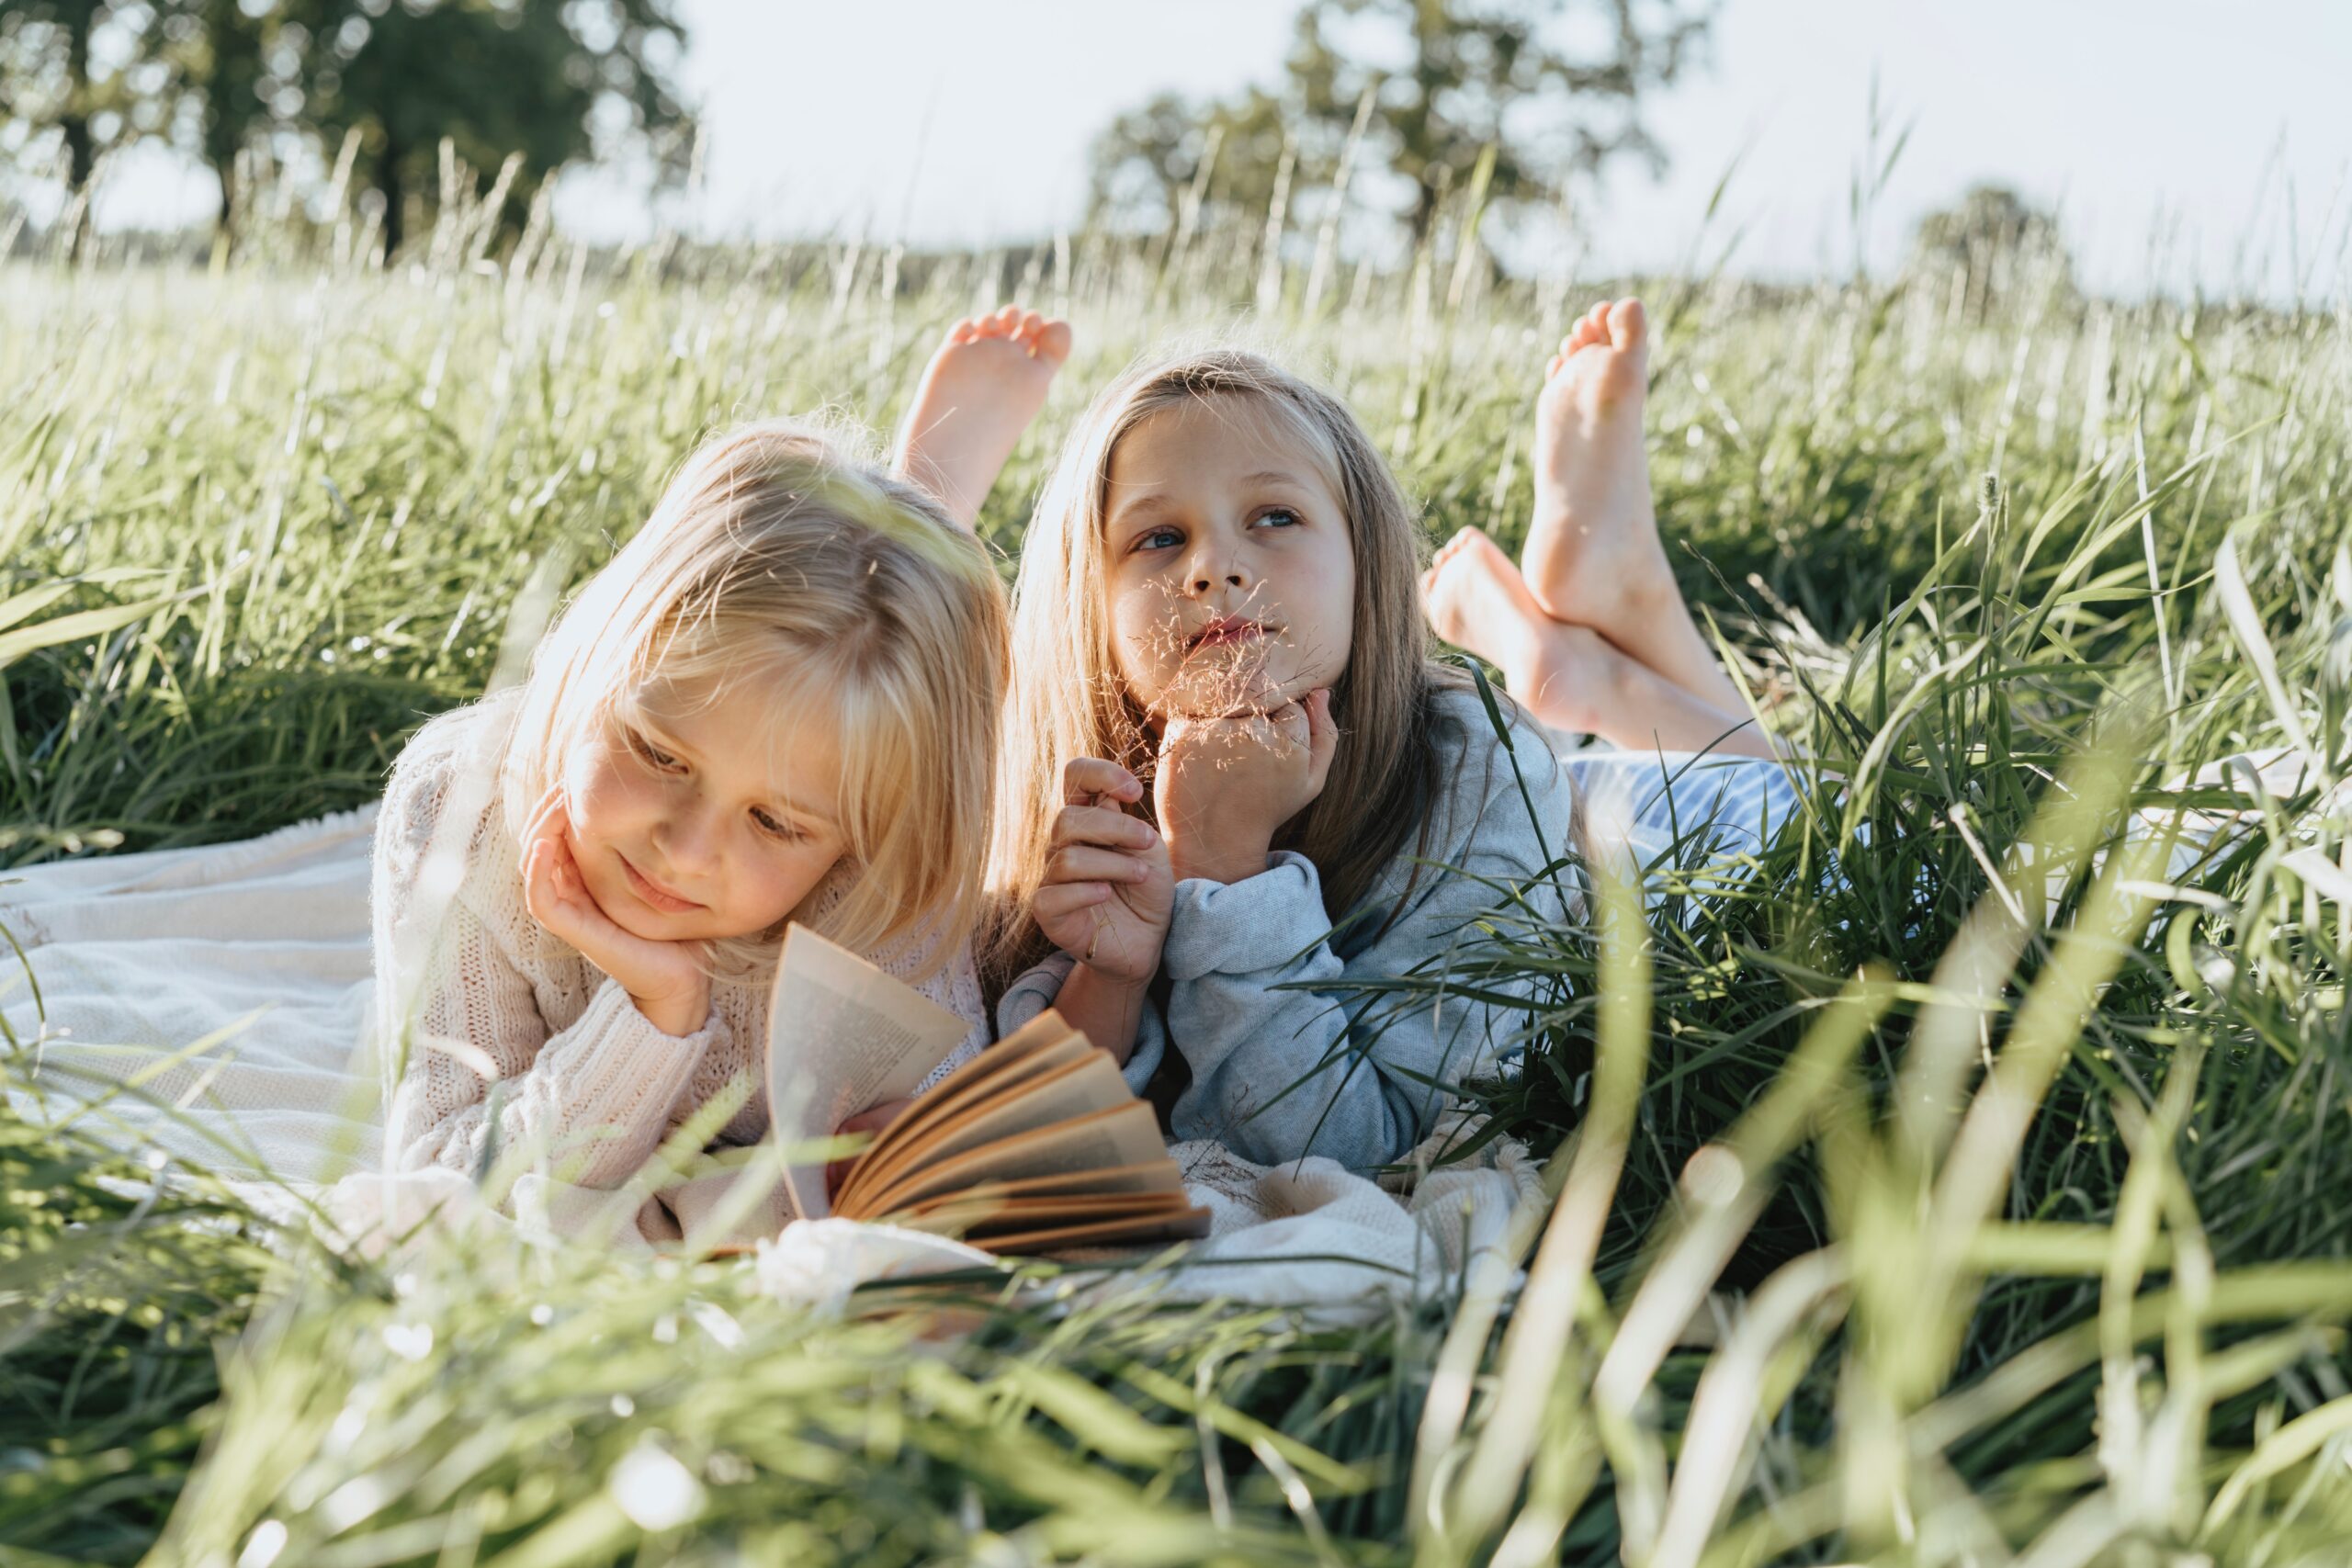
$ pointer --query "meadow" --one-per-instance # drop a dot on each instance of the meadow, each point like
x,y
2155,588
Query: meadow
x,y
1958,1181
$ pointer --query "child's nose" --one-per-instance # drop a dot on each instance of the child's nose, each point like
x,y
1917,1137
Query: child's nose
x,y
1212,567
689,841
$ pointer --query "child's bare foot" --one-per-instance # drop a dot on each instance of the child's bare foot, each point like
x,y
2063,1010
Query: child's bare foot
x,y
1477,601
1593,555
977,394
1570,677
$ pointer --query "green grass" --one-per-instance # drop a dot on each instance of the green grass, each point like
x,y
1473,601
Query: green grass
x,y
1808,1261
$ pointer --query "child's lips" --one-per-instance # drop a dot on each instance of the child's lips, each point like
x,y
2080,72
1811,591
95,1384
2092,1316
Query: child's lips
x,y
1224,633
653,892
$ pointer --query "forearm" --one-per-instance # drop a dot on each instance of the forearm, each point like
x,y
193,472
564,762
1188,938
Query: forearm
x,y
1107,1010
593,1099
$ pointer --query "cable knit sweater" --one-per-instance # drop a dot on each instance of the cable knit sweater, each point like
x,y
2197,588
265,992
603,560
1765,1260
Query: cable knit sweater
x,y
505,1014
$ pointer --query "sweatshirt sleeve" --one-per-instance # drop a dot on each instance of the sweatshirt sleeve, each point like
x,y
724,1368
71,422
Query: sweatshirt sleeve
x,y
478,1073
1288,1057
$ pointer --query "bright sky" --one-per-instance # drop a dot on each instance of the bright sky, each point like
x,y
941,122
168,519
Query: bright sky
x,y
2181,140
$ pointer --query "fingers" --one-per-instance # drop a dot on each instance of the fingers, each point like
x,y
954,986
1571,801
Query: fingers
x,y
1086,780
1100,826
1302,729
874,1118
1292,729
1085,863
544,895
548,817
1057,902
1322,737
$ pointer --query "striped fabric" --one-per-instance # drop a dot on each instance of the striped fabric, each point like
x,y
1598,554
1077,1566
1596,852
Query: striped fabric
x,y
1649,802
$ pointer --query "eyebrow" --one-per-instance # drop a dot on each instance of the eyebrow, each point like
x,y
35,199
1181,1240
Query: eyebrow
x,y
1156,500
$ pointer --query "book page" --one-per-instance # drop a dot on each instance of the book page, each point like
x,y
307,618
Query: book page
x,y
975,1221
980,1083
1115,1181
1125,1135
842,1036
1185,1224
1089,1081
1158,1176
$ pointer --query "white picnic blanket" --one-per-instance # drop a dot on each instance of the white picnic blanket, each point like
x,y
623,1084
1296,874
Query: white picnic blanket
x,y
212,1004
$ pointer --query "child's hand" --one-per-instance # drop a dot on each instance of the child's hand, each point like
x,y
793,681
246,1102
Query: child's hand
x,y
871,1120
1108,892
1227,786
660,977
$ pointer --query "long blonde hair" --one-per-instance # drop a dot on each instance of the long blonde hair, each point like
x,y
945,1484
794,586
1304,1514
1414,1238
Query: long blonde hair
x,y
1069,700
773,549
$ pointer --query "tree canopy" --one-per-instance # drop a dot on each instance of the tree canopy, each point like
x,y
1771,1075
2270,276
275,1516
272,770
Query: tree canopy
x,y
548,81
1419,90
1993,237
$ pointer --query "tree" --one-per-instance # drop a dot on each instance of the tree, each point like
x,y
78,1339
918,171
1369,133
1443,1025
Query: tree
x,y
1985,237
552,80
92,71
1551,86
1147,162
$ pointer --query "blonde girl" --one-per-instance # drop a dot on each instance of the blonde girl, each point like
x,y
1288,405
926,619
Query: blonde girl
x,y
778,703
1234,779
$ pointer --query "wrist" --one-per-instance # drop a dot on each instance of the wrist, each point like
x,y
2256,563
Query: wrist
x,y
680,1013
1111,983
1232,859
1106,1008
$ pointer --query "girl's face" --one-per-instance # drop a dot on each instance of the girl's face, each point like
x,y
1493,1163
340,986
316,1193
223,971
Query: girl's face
x,y
1231,576
704,814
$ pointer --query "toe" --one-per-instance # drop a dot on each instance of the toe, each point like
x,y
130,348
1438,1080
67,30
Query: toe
x,y
1051,343
1627,323
964,331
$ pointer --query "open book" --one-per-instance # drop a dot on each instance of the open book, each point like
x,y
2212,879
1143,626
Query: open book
x,y
1034,1144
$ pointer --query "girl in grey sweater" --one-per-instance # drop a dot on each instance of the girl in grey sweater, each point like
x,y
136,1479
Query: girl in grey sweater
x,y
1235,781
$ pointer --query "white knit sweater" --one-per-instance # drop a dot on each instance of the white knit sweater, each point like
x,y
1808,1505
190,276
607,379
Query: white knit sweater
x,y
499,1004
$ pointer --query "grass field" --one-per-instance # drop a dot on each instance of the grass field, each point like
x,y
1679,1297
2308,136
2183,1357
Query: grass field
x,y
1957,1183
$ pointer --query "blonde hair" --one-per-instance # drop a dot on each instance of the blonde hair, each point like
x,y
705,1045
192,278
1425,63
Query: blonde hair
x,y
1069,700
771,550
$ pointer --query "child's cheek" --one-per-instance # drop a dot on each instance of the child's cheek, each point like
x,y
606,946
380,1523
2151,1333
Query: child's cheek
x,y
783,889
1149,644
603,804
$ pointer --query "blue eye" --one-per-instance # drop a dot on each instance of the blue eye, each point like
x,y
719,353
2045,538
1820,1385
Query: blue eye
x,y
1158,539
1289,519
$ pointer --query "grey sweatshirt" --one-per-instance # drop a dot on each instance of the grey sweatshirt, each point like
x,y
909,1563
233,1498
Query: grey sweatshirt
x,y
1366,1062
